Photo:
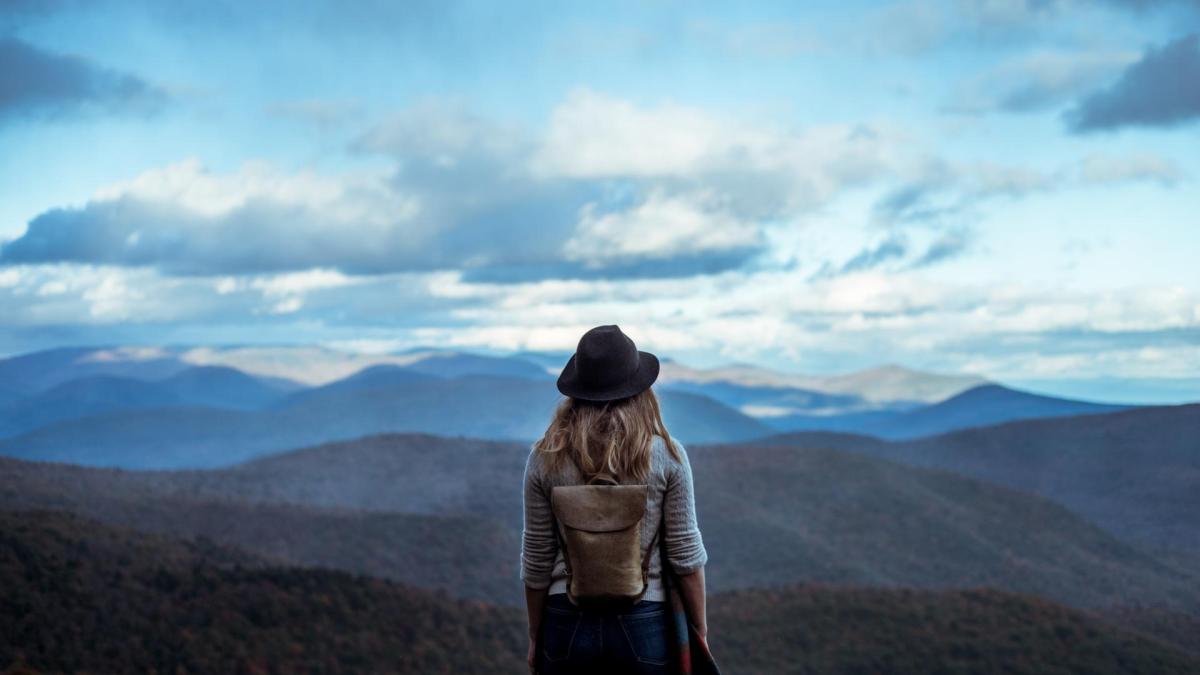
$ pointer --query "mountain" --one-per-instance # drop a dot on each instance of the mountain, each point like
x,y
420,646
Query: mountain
x,y
90,395
770,515
979,406
225,387
1134,472
82,596
81,397
383,400
766,401
38,371
889,401
456,364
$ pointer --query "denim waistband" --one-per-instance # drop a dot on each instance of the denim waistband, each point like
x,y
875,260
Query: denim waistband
x,y
560,601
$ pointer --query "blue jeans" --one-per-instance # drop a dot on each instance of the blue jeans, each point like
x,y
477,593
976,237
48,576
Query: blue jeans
x,y
578,640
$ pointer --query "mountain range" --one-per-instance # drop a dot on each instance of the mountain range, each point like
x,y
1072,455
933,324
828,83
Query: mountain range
x,y
153,408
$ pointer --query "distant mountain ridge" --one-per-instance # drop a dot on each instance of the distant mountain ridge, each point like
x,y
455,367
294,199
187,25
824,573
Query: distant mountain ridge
x,y
210,386
117,389
382,400
984,405
1135,471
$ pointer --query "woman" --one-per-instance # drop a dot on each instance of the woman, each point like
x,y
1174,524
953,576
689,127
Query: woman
x,y
610,423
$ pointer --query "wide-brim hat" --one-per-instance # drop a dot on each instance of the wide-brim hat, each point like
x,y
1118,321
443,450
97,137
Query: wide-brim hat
x,y
607,365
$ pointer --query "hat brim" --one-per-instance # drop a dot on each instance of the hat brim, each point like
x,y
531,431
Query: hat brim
x,y
642,378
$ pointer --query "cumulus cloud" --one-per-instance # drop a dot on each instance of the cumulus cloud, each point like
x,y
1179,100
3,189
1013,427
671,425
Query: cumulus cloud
x,y
186,220
1162,89
661,226
37,84
609,188
762,169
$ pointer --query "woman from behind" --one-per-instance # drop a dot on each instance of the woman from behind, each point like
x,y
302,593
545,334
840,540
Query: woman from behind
x,y
610,425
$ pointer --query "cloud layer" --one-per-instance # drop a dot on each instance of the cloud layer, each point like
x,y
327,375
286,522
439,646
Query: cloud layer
x,y
607,189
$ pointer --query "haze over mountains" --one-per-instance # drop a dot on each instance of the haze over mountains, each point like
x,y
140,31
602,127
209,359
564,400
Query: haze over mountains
x,y
156,408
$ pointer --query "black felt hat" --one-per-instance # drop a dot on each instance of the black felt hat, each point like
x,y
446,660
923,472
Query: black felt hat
x,y
606,366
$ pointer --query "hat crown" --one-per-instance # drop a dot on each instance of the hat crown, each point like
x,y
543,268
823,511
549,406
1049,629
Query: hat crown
x,y
606,356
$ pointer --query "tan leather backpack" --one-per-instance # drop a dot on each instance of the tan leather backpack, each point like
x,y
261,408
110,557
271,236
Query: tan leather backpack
x,y
599,529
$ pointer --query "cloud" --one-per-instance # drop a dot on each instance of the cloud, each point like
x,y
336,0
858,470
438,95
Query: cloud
x,y
1160,90
661,226
943,193
762,170
946,246
893,247
949,195
1104,170
607,189
37,84
915,26
1037,81
185,220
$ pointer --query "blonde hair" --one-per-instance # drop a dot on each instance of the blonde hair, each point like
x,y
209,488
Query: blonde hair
x,y
610,438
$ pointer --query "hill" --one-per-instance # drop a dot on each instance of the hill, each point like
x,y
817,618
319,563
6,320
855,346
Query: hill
x,y
85,597
1134,472
871,630
384,400
38,371
770,515
214,386
984,405
980,406
81,597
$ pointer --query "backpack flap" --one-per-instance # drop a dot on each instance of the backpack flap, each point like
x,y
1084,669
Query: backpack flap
x,y
598,508
600,530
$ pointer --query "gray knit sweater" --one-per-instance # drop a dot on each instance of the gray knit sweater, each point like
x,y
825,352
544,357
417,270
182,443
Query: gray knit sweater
x,y
670,481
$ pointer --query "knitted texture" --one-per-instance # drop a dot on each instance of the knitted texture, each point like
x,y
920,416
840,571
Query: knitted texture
x,y
670,482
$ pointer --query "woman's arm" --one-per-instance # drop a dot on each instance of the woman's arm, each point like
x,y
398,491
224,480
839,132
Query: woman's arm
x,y
685,548
539,547
535,602
691,590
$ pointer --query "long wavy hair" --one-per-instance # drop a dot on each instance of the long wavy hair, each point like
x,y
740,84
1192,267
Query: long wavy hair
x,y
611,438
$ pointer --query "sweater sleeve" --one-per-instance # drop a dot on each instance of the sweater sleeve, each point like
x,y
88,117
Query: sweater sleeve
x,y
685,548
539,544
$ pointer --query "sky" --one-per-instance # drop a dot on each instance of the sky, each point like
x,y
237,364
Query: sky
x,y
999,187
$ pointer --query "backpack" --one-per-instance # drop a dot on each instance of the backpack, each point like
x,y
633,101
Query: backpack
x,y
599,529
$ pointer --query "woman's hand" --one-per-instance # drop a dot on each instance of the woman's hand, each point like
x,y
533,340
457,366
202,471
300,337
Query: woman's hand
x,y
531,659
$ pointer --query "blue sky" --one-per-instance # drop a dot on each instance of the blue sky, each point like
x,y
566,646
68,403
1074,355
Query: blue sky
x,y
998,187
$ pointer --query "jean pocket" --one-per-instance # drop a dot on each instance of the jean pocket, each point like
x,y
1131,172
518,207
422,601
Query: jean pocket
x,y
558,632
647,636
